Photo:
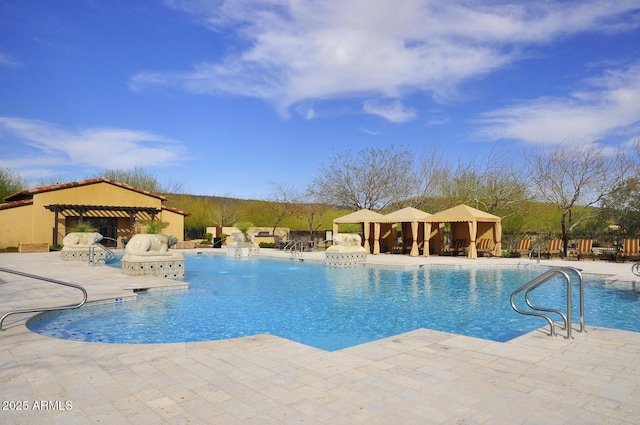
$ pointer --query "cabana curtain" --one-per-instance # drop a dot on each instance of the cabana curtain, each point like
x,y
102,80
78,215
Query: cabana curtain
x,y
410,219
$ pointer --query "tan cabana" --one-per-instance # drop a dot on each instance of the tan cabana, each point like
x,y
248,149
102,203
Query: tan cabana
x,y
471,225
413,223
370,227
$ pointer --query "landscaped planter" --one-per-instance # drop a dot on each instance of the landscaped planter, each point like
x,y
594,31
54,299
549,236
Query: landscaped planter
x,y
33,247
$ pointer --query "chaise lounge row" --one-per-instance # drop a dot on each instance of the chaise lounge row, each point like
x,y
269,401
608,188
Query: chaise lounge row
x,y
584,248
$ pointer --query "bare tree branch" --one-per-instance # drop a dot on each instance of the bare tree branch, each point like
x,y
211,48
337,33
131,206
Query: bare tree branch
x,y
572,177
224,212
370,178
284,200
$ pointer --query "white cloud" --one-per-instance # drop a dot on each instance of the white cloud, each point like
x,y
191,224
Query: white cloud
x,y
608,106
52,146
304,49
369,132
310,114
306,111
436,117
392,111
437,121
7,61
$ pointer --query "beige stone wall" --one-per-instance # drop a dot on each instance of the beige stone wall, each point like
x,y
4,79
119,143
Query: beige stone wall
x,y
176,224
15,226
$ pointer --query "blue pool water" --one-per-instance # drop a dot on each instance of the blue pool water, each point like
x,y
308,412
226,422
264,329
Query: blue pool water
x,y
332,308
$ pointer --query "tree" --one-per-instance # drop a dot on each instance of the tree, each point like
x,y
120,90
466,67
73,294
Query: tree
x,y
10,183
138,177
495,185
621,205
283,202
223,212
629,165
573,178
313,213
195,225
430,179
370,178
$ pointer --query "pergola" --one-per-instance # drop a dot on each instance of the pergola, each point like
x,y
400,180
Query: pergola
x,y
72,210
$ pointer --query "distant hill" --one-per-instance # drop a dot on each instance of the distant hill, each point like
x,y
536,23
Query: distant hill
x,y
204,208
534,216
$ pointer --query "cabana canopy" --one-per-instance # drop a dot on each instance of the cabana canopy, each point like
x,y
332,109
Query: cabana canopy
x,y
470,224
413,217
408,214
367,218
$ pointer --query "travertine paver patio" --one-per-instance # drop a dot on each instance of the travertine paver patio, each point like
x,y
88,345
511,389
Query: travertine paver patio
x,y
422,377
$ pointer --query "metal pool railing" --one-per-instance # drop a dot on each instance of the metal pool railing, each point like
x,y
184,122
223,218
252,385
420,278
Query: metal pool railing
x,y
40,309
539,281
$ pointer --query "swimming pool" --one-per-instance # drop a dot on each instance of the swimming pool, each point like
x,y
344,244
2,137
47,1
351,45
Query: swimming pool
x,y
332,308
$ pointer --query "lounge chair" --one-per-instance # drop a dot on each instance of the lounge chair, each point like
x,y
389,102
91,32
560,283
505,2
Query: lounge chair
x,y
524,245
555,245
484,246
457,247
584,248
399,247
307,243
630,249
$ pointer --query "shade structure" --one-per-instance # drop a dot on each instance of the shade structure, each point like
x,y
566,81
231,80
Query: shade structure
x,y
471,223
369,219
415,220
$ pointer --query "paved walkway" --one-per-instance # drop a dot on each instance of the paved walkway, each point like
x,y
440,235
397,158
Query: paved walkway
x,y
422,377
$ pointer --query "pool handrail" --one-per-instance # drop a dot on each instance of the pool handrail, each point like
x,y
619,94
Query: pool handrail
x,y
41,309
294,247
324,242
542,279
108,254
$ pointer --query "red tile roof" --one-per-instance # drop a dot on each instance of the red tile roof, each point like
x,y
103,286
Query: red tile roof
x,y
175,210
28,193
16,204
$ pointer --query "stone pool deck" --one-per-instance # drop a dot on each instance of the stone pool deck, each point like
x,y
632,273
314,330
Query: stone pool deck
x,y
421,377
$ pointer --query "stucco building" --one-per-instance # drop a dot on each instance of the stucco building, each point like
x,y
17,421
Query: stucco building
x,y
45,214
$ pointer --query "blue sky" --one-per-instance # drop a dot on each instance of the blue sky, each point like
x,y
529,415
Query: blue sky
x,y
227,97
